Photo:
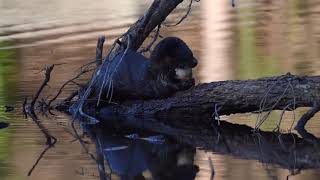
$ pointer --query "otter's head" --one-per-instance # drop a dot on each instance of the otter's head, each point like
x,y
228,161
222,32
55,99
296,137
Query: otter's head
x,y
172,55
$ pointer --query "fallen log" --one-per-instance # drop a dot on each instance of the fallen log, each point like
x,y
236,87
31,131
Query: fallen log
x,y
286,92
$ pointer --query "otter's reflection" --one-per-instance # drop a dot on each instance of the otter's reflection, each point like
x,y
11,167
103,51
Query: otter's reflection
x,y
137,156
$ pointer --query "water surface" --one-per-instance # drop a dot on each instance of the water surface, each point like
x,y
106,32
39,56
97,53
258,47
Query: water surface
x,y
252,40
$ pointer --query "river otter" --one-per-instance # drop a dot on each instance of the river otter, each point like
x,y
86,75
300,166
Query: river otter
x,y
132,76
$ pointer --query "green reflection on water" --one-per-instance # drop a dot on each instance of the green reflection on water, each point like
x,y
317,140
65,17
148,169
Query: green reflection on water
x,y
8,85
301,36
252,63
8,73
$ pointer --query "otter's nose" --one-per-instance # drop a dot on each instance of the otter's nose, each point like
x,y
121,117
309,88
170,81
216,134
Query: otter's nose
x,y
194,63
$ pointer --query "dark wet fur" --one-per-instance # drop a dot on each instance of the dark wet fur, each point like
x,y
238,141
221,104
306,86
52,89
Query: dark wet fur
x,y
137,77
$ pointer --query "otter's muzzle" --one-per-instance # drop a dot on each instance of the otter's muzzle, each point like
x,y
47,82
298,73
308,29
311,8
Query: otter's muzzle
x,y
183,73
194,63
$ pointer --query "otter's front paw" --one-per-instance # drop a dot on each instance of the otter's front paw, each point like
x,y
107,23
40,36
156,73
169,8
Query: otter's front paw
x,y
186,84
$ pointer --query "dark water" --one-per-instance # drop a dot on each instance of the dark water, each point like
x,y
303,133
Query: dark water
x,y
254,39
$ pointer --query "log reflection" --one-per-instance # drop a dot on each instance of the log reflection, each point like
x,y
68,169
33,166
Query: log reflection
x,y
133,157
287,150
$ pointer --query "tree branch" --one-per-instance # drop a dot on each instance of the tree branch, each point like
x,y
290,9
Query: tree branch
x,y
44,83
155,15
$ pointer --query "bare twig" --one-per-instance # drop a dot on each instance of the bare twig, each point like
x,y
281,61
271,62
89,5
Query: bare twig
x,y
183,17
264,118
277,128
263,101
44,83
307,116
294,104
154,16
261,120
99,50
66,83
155,37
85,66
211,168
71,96
215,114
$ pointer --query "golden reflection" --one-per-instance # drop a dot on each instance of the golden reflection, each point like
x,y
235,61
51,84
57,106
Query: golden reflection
x,y
215,60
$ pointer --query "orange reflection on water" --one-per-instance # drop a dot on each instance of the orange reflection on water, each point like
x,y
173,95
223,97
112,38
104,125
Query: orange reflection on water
x,y
215,60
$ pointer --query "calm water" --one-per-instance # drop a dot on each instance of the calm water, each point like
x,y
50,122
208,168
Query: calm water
x,y
254,39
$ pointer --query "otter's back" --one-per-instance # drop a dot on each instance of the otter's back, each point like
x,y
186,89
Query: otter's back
x,y
129,76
